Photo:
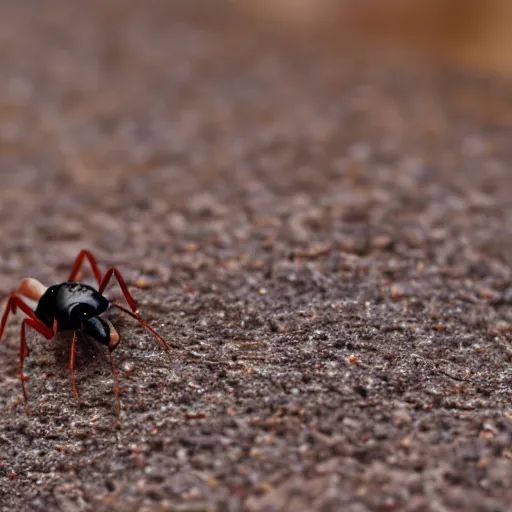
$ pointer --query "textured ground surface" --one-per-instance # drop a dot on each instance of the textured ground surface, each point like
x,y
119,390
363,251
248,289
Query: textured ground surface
x,y
328,248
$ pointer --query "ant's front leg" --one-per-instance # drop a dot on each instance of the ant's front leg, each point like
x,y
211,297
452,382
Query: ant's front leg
x,y
133,305
84,254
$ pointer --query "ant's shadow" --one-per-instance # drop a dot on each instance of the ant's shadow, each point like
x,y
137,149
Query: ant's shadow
x,y
87,350
49,384
91,361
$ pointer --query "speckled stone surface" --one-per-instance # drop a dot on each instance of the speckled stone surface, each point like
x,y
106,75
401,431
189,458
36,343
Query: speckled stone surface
x,y
324,242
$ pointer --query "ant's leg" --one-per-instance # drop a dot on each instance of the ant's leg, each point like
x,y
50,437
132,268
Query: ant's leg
x,y
13,303
134,311
10,307
122,284
116,384
78,263
5,316
23,355
136,315
24,351
72,365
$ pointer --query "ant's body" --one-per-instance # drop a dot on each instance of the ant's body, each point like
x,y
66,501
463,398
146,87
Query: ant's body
x,y
72,306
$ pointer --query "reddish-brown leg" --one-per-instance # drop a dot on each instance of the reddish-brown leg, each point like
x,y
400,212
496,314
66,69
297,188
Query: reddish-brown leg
x,y
15,302
24,350
23,355
5,316
84,254
72,365
133,305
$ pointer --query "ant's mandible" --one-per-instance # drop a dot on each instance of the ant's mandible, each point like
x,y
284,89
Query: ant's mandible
x,y
72,306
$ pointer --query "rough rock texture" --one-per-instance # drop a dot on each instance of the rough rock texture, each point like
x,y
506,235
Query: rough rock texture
x,y
324,241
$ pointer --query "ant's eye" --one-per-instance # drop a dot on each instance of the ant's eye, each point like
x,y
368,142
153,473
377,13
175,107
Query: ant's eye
x,y
80,312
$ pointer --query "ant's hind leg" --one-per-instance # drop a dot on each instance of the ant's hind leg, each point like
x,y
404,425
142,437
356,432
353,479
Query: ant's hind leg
x,y
16,302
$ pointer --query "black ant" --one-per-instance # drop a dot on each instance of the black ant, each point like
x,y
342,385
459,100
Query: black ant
x,y
72,306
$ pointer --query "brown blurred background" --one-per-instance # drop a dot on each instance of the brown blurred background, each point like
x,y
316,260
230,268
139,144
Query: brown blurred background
x,y
472,33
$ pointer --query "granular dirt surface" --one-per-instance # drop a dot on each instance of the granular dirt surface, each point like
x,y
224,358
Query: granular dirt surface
x,y
325,242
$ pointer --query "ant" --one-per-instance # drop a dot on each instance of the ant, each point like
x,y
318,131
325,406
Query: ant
x,y
72,306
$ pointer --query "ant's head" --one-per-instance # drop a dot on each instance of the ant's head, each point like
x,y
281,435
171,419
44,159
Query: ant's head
x,y
102,331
